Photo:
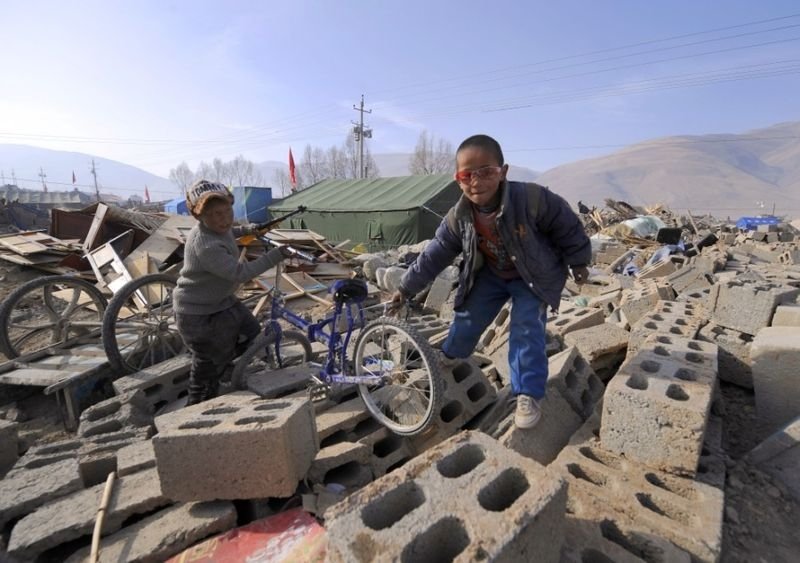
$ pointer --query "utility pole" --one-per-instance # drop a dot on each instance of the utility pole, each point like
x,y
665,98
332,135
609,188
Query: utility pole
x,y
14,178
3,175
42,175
360,135
94,173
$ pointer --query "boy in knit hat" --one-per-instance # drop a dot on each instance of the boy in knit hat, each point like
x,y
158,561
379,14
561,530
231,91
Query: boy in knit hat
x,y
214,324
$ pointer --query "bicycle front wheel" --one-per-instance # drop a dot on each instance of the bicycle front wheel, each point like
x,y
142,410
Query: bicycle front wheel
x,y
407,398
262,355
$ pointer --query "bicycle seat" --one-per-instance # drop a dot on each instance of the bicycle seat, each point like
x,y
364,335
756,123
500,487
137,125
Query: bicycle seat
x,y
349,291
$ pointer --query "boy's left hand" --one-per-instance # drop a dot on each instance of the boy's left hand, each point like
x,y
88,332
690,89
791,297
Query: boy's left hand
x,y
580,274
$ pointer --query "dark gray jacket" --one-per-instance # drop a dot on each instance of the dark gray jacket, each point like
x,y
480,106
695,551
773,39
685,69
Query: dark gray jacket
x,y
538,228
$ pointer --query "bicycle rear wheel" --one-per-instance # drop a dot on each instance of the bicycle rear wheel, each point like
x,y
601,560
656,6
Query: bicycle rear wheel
x,y
262,355
407,399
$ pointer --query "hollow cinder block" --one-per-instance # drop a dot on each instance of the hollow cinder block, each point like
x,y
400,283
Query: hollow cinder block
x,y
267,444
570,319
467,499
131,409
573,377
639,300
734,353
630,502
748,306
162,383
655,411
671,324
467,391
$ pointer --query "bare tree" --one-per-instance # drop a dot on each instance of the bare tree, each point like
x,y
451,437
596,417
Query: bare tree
x,y
243,172
280,179
431,156
337,162
182,176
314,165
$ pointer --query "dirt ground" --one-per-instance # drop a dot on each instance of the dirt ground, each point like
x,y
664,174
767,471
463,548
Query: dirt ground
x,y
761,517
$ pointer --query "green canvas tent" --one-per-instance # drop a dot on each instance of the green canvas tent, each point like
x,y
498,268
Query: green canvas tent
x,y
379,212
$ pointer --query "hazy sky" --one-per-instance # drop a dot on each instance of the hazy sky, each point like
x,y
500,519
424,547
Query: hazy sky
x,y
152,83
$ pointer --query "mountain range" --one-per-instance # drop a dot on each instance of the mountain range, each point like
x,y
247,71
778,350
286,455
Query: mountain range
x,y
725,174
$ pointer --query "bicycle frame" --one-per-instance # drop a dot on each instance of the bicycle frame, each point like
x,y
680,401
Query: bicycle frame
x,y
324,331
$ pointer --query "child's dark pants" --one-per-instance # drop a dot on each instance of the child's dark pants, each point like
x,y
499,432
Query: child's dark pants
x,y
214,340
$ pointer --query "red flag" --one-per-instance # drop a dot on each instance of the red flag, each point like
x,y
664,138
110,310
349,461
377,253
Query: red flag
x,y
146,195
292,176
73,178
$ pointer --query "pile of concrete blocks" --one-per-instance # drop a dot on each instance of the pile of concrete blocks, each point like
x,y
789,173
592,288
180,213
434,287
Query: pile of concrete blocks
x,y
640,300
162,384
129,410
268,445
467,499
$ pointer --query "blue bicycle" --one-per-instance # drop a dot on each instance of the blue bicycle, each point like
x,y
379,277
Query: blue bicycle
x,y
394,368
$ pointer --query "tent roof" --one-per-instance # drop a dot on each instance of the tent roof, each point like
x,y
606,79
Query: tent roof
x,y
373,194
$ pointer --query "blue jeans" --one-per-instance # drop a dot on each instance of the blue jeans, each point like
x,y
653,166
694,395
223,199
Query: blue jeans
x,y
527,358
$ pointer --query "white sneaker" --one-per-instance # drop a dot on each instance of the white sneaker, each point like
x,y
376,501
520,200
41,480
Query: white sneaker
x,y
528,412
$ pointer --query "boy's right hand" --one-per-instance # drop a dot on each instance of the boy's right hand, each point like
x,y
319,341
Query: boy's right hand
x,y
397,302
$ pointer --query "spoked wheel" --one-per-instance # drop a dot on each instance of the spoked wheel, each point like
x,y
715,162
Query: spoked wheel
x,y
47,311
407,398
139,327
263,356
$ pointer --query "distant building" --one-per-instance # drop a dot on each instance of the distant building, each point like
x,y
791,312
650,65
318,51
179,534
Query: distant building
x,y
45,200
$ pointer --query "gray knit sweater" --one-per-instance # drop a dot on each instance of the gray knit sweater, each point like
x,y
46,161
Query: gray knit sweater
x,y
212,272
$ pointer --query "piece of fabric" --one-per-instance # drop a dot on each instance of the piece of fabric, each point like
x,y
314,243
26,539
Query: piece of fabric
x,y
527,356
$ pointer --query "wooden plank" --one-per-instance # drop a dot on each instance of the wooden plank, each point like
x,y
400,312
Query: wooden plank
x,y
294,235
97,224
23,244
32,259
163,241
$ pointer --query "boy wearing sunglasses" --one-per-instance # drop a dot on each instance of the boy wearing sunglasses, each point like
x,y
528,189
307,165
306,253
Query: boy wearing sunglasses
x,y
518,240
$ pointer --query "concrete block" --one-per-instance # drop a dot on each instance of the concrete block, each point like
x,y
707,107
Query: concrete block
x,y
570,319
198,448
389,451
131,409
789,257
775,354
441,288
371,266
597,285
658,270
606,541
164,534
135,457
671,324
640,300
542,443
786,315
467,499
684,309
335,424
779,455
339,463
627,498
97,455
701,298
73,516
767,228
274,384
748,306
9,445
603,346
570,375
711,468
162,383
734,353
656,408
467,391
26,491
427,325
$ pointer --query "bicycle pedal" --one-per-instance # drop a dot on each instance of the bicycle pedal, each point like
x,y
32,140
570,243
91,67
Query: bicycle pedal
x,y
318,393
